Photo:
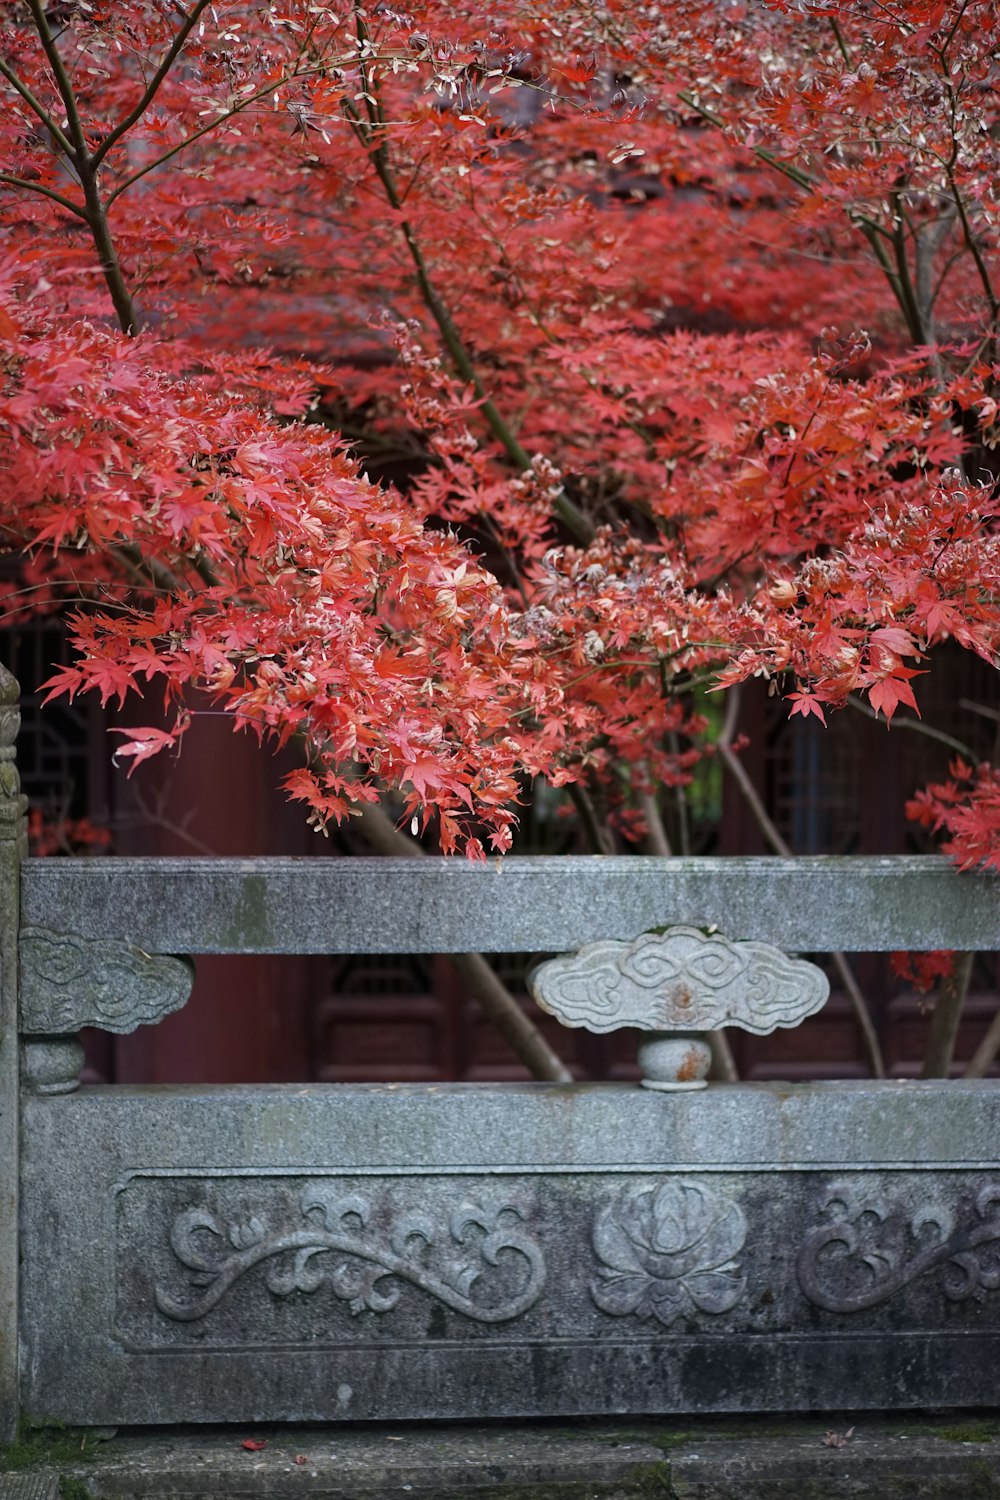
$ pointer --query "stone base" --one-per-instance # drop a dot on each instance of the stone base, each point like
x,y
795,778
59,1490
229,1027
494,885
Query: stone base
x,y
790,1460
395,1252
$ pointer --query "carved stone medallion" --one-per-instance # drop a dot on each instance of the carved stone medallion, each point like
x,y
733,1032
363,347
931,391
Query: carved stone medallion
x,y
679,980
668,1252
68,982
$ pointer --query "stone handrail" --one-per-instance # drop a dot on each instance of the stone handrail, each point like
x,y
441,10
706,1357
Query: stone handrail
x,y
539,904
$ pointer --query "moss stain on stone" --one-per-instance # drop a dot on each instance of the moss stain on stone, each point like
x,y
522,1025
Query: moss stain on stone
x,y
47,1443
73,1489
251,924
983,1483
985,1430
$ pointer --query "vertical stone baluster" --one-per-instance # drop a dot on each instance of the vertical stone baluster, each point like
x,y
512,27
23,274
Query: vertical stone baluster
x,y
13,840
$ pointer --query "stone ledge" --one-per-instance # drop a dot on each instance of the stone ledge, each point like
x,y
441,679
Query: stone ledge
x,y
767,1460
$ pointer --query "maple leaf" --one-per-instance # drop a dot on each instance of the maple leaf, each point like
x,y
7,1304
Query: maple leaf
x,y
142,743
615,474
806,704
886,696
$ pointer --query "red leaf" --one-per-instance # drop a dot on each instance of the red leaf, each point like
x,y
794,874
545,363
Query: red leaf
x,y
806,704
142,743
255,1445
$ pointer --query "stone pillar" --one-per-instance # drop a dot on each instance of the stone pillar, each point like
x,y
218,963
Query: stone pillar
x,y
12,850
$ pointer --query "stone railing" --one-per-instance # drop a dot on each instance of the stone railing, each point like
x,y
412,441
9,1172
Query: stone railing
x,y
321,1252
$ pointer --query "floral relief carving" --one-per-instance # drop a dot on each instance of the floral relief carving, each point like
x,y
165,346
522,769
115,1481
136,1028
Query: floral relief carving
x,y
668,1252
868,1249
335,1245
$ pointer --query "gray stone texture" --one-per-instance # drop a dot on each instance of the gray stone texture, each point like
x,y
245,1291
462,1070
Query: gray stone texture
x,y
793,1460
537,904
68,982
679,980
340,1253
43,1486
12,849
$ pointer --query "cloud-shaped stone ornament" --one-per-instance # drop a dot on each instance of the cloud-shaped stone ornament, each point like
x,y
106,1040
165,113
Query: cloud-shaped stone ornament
x,y
679,980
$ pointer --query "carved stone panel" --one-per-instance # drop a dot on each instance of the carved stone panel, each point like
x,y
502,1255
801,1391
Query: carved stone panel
x,y
679,980
232,1261
68,982
527,1252
669,1251
871,1243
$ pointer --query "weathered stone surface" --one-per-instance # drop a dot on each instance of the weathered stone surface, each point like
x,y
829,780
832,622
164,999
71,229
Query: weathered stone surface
x,y
433,1463
790,1460
679,980
675,983
541,905
51,1065
29,1487
388,1252
12,850
69,982
804,1467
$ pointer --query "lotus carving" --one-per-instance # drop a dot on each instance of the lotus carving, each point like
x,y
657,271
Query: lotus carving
x,y
669,1252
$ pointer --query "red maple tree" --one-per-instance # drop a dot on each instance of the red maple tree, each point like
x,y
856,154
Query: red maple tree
x,y
670,334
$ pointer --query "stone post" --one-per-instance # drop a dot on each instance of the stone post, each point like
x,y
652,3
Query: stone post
x,y
12,850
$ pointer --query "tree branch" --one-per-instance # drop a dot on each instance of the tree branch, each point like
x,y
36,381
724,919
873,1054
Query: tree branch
x,y
496,1000
972,244
916,725
656,841
203,130
107,253
598,833
33,104
77,152
752,797
148,569
946,1018
569,513
982,1058
114,136
873,231
36,187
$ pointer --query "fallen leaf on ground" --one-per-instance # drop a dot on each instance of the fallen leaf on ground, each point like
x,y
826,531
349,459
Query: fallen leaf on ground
x,y
838,1439
254,1445
300,1458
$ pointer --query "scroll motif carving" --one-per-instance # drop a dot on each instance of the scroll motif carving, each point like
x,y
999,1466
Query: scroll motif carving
x,y
679,980
868,1249
668,1252
335,1246
68,982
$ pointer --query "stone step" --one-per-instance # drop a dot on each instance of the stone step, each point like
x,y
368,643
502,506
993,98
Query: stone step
x,y
796,1460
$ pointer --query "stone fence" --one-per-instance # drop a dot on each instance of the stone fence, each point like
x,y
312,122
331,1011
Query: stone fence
x,y
325,1252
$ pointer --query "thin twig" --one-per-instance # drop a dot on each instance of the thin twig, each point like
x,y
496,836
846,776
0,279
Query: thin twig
x,y
61,140
149,94
916,725
36,187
